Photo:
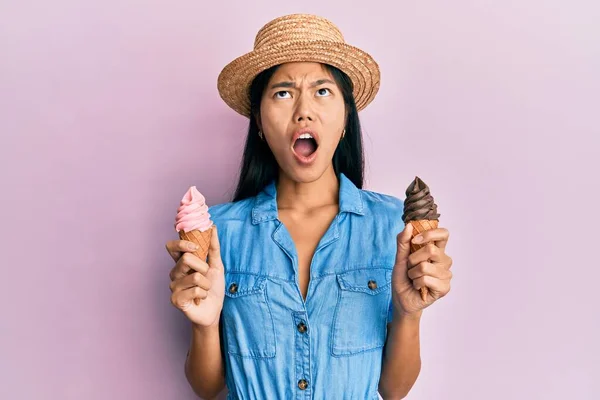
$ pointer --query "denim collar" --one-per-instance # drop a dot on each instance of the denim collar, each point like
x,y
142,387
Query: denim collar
x,y
265,206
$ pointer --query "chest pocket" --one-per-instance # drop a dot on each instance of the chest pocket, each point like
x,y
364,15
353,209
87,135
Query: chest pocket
x,y
360,317
247,319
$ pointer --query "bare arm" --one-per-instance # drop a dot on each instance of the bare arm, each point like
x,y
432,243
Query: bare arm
x,y
204,367
401,358
429,267
198,290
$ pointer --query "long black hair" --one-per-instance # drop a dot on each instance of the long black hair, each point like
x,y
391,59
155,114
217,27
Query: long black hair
x,y
259,166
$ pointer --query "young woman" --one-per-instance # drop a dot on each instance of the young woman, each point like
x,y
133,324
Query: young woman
x,y
310,290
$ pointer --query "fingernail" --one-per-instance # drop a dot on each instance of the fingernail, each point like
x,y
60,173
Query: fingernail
x,y
192,246
418,239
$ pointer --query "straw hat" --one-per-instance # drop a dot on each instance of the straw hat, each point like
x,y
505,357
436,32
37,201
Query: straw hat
x,y
298,37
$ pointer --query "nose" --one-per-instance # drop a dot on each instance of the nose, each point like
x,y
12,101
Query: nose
x,y
303,110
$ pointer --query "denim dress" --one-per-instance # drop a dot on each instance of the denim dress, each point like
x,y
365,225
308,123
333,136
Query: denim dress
x,y
275,344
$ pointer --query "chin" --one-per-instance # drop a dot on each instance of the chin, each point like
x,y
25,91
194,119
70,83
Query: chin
x,y
305,174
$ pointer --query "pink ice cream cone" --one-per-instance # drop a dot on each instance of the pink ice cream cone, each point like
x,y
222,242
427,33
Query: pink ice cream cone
x,y
193,222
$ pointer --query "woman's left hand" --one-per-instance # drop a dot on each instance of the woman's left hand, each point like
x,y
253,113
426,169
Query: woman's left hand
x,y
427,267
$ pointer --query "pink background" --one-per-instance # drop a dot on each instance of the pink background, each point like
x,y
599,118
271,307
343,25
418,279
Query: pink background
x,y
109,112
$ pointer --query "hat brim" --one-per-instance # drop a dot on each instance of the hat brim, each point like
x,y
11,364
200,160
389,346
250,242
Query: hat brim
x,y
235,79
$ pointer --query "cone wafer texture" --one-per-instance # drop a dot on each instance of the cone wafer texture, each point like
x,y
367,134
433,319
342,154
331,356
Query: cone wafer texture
x,y
202,239
421,226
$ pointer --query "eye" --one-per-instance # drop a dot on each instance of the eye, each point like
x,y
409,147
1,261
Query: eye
x,y
282,94
323,92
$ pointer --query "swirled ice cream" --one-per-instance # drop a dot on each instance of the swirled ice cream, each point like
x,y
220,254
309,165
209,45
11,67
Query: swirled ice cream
x,y
192,213
419,203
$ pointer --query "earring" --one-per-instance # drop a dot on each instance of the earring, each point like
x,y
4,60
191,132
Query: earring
x,y
260,134
343,133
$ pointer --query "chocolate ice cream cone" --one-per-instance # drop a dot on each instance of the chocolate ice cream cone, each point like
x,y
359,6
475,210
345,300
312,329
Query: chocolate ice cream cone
x,y
420,211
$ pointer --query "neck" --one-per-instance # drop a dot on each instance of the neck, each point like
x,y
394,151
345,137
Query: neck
x,y
300,196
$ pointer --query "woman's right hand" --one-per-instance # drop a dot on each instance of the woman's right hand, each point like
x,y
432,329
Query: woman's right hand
x,y
192,278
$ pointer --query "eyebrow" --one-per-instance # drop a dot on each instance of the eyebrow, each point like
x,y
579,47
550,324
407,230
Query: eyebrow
x,y
288,84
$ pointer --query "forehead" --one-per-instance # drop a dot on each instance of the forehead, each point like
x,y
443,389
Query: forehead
x,y
296,71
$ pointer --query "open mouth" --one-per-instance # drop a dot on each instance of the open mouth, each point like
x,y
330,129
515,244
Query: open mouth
x,y
305,145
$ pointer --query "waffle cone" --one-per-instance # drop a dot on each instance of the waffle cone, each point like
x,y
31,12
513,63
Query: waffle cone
x,y
202,239
421,226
